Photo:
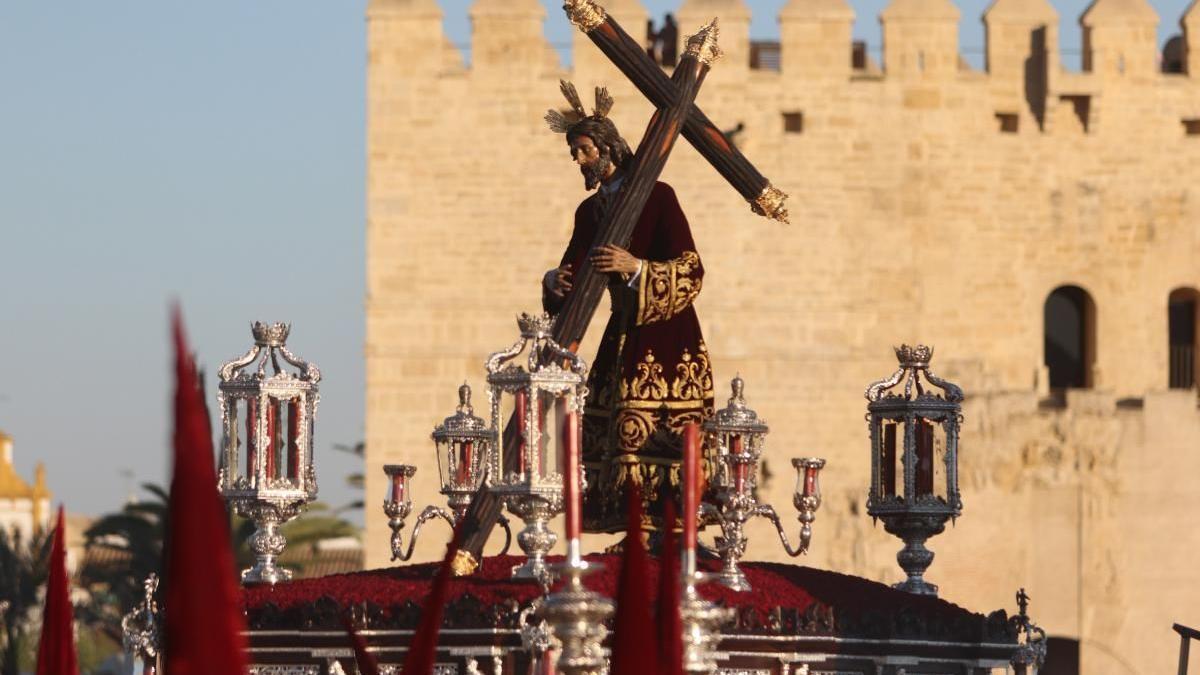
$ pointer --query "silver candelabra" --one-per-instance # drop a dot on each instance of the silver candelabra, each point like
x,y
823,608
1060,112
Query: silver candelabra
x,y
736,436
464,444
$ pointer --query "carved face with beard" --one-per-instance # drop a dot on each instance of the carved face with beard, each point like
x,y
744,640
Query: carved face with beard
x,y
594,163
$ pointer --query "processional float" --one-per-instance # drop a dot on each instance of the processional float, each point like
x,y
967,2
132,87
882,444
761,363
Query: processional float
x,y
526,458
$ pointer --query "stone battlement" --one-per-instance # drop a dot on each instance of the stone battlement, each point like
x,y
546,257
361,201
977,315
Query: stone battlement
x,y
920,39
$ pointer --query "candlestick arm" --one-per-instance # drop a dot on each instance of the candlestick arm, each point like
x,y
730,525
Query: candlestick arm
x,y
767,511
508,536
430,512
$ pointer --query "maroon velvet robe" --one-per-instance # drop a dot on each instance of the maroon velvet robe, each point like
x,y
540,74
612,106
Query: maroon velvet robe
x,y
651,375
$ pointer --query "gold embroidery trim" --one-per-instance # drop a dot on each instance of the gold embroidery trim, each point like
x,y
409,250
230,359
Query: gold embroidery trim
x,y
667,288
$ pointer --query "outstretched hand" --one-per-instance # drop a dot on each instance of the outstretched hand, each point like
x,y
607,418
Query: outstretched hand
x,y
610,258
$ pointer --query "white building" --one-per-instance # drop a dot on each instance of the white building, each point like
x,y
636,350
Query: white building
x,y
23,508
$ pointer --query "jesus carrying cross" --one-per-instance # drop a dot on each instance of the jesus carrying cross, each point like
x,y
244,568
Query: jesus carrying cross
x,y
651,376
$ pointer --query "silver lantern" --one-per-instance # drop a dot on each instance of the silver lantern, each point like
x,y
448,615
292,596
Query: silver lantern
x,y
535,393
914,459
464,445
736,434
267,460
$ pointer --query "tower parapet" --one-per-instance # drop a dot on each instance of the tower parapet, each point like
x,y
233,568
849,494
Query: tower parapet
x,y
1190,23
815,37
407,35
507,37
734,22
1119,39
920,38
590,65
1022,54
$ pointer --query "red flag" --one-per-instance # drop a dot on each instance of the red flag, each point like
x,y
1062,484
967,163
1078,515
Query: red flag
x,y
56,651
633,628
670,624
365,660
204,622
422,651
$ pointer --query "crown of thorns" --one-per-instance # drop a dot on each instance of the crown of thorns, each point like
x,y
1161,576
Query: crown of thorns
x,y
561,123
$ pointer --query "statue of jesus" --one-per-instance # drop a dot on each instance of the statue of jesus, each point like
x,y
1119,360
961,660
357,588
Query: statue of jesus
x,y
651,375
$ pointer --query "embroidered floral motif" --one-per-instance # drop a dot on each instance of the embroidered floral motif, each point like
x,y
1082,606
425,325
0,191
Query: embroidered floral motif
x,y
668,287
693,378
647,383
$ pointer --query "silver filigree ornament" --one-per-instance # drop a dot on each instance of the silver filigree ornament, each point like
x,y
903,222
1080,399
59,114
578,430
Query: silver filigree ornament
x,y
537,395
464,445
736,435
267,420
141,628
914,458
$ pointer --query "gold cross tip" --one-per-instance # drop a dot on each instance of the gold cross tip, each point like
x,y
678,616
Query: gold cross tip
x,y
585,14
770,203
703,45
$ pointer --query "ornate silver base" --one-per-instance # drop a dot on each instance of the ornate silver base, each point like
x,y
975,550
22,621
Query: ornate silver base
x,y
576,617
536,540
702,621
267,542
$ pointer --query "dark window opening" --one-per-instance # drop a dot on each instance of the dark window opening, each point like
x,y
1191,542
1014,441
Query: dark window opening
x,y
1191,127
1182,330
1070,337
765,55
858,55
1082,104
793,122
1008,122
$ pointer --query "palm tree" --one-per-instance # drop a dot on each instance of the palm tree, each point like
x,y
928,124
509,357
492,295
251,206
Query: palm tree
x,y
23,569
133,537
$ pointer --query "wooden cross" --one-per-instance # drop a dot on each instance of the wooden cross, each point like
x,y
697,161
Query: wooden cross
x,y
676,111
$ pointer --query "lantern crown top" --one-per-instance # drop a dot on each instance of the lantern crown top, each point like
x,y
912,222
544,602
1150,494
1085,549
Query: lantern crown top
x,y
914,356
547,360
914,363
534,326
270,344
736,416
463,423
270,335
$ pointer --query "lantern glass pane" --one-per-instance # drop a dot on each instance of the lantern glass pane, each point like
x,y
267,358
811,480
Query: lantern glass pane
x,y
891,460
552,413
924,435
443,451
940,485
508,416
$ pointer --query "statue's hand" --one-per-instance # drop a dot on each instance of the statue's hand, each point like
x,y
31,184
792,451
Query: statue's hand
x,y
610,258
560,282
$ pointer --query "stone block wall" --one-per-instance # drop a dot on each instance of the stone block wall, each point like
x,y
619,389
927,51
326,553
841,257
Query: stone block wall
x,y
915,217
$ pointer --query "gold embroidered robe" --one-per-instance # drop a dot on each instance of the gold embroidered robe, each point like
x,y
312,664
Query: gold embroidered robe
x,y
651,374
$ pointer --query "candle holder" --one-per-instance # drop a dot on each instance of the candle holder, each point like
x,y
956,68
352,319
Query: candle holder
x,y
736,435
537,396
141,628
463,444
702,621
914,485
277,480
576,617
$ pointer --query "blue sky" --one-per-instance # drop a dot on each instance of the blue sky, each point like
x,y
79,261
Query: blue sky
x,y
210,152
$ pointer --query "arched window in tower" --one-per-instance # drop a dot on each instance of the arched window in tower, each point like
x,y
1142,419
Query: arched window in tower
x,y
1069,324
1183,332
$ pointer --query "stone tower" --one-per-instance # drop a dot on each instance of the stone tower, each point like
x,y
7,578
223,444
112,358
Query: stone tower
x,y
1039,226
